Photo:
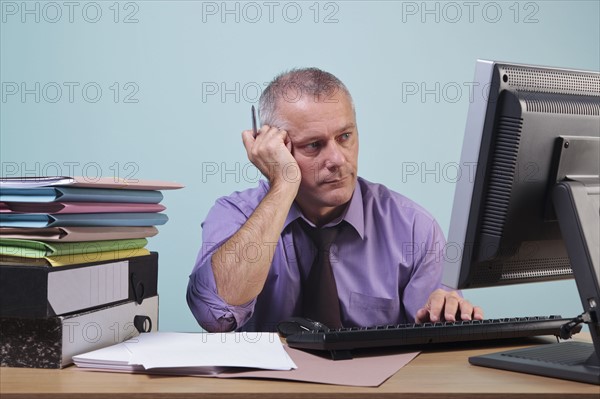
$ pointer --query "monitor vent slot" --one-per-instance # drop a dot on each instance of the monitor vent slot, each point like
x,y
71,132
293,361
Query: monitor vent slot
x,y
536,268
502,173
552,81
563,107
521,271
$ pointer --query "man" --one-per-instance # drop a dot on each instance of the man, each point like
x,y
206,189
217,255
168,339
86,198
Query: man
x,y
254,268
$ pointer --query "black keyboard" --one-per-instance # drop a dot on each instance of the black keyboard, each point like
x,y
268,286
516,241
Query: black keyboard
x,y
341,341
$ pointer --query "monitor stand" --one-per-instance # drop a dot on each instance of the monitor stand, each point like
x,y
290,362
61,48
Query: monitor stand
x,y
575,361
576,200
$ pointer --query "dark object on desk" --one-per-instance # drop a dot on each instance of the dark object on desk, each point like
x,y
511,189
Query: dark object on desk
x,y
296,325
340,341
45,291
548,360
510,226
51,343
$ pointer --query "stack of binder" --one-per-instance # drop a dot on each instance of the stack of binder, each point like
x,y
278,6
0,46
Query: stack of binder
x,y
75,274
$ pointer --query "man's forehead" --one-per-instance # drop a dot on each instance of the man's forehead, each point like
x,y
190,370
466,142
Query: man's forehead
x,y
292,92
307,106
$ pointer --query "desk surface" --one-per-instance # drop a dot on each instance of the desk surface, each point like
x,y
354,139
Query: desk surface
x,y
432,374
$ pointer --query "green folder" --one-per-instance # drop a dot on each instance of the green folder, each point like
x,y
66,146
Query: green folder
x,y
40,249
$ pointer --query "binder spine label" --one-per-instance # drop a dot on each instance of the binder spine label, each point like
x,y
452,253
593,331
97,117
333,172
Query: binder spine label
x,y
87,287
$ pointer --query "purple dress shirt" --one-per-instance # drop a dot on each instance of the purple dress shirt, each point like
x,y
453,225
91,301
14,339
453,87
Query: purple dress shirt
x,y
386,260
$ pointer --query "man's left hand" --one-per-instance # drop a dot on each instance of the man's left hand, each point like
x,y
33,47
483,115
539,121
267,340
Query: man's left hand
x,y
447,306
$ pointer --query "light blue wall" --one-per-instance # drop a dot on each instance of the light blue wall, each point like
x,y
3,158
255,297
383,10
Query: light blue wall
x,y
173,55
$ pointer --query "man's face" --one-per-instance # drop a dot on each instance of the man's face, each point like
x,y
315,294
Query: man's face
x,y
325,144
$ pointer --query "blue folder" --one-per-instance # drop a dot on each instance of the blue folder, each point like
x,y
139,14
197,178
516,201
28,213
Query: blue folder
x,y
82,219
51,194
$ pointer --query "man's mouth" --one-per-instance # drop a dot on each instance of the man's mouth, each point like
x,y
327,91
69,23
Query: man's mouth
x,y
336,180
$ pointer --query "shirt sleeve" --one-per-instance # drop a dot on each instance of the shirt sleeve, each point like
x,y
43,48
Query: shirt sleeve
x,y
210,310
428,260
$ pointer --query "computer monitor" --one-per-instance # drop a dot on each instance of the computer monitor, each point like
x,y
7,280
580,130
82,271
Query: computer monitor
x,y
526,207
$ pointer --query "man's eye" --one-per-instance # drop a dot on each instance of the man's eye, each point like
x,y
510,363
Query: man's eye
x,y
344,136
313,146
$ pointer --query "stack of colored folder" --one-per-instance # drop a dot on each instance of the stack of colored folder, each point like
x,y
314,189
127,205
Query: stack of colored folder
x,y
72,254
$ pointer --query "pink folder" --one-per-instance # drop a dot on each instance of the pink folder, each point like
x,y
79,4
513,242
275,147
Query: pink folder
x,y
77,207
82,181
130,184
71,234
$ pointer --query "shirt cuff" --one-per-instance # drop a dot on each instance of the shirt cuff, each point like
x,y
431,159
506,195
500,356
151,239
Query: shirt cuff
x,y
210,310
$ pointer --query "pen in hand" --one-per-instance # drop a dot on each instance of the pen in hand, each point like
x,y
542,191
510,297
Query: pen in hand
x,y
254,122
254,128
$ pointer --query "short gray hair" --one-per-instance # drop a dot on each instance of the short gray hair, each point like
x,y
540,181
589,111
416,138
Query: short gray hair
x,y
292,85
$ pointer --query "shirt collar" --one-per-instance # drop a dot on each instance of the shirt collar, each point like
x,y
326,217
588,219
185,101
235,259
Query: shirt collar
x,y
354,213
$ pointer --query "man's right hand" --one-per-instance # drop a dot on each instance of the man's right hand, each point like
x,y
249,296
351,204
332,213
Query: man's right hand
x,y
240,279
271,152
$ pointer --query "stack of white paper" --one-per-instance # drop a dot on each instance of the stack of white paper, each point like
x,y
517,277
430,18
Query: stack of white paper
x,y
190,353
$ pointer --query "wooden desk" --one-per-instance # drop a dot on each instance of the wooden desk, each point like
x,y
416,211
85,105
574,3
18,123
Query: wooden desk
x,y
431,375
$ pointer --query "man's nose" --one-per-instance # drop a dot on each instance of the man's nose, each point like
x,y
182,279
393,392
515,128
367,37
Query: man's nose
x,y
334,158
